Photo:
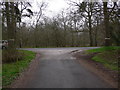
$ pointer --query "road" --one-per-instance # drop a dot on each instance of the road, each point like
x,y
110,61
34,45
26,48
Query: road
x,y
56,68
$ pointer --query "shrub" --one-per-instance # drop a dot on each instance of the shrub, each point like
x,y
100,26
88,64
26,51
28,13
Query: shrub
x,y
9,56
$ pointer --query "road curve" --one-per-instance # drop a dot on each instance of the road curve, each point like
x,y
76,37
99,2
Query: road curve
x,y
56,68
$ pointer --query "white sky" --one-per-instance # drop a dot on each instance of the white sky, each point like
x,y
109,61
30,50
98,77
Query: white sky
x,y
53,7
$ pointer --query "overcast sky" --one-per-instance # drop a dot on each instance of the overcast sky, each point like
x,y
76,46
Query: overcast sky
x,y
53,7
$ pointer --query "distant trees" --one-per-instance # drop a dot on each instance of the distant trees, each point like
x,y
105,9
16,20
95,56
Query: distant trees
x,y
85,24
38,16
95,14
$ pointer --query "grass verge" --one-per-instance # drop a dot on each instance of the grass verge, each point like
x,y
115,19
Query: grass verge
x,y
108,56
10,71
102,49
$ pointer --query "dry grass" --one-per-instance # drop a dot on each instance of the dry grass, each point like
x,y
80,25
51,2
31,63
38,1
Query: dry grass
x,y
9,56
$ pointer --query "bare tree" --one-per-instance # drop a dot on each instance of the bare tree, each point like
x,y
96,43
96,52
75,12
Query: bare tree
x,y
38,16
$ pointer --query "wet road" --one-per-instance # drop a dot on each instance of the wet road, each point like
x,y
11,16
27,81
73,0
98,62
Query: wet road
x,y
56,68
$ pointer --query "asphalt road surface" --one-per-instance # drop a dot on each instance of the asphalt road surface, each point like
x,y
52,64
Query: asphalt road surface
x,y
56,68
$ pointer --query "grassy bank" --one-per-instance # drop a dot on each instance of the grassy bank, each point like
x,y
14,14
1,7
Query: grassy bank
x,y
108,56
11,70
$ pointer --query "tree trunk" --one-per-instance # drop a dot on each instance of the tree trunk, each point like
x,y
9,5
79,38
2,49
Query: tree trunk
x,y
11,23
90,31
96,29
106,25
90,23
65,43
8,22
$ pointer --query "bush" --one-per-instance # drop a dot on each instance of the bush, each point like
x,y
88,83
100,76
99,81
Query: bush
x,y
9,56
